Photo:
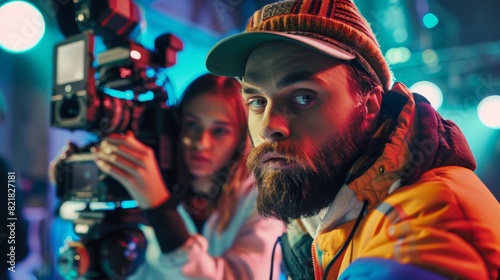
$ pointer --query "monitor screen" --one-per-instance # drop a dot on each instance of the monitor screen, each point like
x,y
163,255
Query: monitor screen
x,y
70,62
84,177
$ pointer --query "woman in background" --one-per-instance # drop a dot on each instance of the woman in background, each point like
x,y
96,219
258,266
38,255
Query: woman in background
x,y
215,232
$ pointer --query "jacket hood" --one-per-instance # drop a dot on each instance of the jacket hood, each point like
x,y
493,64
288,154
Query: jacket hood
x,y
411,139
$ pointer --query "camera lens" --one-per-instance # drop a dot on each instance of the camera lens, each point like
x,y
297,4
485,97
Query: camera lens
x,y
70,108
116,115
123,252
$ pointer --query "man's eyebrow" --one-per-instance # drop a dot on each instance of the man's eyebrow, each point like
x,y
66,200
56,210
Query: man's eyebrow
x,y
245,89
289,80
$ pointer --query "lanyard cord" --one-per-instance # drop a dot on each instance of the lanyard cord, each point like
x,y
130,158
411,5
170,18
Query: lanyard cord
x,y
349,238
272,258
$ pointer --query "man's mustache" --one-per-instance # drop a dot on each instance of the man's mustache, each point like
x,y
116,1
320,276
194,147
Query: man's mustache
x,y
291,153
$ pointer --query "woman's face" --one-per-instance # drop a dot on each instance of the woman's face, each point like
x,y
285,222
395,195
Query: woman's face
x,y
209,134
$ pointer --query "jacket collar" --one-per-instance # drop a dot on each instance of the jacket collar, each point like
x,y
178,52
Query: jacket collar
x,y
411,139
344,208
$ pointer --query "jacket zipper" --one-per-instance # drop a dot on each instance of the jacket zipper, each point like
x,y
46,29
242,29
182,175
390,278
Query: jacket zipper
x,y
318,273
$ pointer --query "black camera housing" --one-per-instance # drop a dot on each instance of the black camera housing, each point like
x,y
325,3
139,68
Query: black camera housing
x,y
79,179
120,89
115,92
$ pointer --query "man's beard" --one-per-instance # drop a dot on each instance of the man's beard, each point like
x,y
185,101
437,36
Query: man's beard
x,y
288,194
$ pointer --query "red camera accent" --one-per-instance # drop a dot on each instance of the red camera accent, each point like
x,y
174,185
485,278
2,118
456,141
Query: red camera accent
x,y
121,17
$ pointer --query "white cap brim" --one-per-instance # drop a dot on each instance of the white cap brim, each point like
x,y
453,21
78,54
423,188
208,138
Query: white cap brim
x,y
229,56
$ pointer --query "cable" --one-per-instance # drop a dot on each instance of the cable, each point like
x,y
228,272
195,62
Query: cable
x,y
272,258
349,238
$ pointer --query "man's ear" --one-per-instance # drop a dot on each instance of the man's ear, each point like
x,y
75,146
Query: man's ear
x,y
373,102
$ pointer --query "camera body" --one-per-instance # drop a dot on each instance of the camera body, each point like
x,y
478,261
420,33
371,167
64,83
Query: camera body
x,y
119,89
81,180
124,91
78,177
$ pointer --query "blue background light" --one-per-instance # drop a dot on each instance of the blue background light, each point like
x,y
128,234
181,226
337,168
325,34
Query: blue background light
x,y
430,20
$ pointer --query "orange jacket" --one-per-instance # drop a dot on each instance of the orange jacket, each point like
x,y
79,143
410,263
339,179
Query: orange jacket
x,y
427,213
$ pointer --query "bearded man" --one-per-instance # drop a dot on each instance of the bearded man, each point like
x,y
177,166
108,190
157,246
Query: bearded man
x,y
372,182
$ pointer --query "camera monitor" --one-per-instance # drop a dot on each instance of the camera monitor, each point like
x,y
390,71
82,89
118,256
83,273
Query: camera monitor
x,y
70,66
84,178
74,82
81,180
80,175
73,59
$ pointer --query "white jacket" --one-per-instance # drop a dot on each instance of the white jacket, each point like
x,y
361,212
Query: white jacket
x,y
242,251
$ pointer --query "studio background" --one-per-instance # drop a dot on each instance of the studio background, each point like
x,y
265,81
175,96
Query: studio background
x,y
453,44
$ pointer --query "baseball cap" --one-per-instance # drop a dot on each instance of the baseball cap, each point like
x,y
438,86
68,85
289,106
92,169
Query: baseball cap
x,y
332,27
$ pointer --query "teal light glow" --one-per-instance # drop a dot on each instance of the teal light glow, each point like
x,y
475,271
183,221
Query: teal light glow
x,y
96,206
430,20
150,72
126,204
21,26
147,96
128,94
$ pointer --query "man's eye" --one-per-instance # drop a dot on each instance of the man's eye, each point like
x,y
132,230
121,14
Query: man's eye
x,y
257,103
303,99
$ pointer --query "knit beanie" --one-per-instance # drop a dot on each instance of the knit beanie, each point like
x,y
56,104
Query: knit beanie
x,y
333,27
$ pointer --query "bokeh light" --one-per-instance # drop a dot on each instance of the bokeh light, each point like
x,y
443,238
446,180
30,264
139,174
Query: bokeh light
x,y
430,91
430,20
398,55
22,26
488,111
430,57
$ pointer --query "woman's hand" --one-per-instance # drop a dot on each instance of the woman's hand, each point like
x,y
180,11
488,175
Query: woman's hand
x,y
65,152
134,165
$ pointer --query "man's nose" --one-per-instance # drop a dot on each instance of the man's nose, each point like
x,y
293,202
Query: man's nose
x,y
274,125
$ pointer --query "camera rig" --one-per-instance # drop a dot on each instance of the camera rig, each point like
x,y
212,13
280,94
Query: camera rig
x,y
114,91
